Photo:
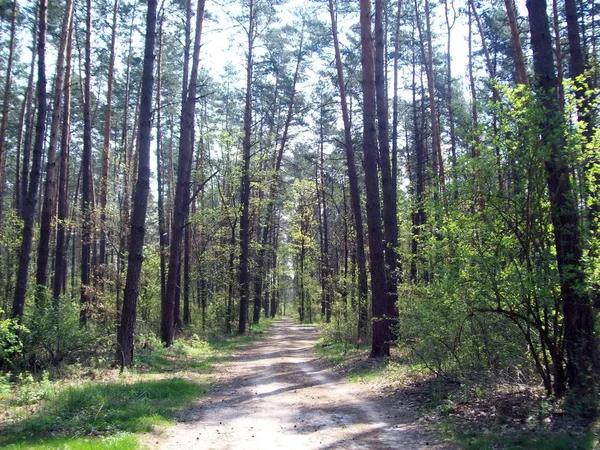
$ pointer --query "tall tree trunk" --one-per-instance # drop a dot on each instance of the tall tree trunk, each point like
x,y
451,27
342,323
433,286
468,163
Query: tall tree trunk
x,y
325,269
106,143
86,174
474,114
138,230
243,276
436,151
60,258
450,21
182,193
581,345
28,116
361,260
186,275
515,38
38,149
395,104
379,346
48,205
162,225
390,220
6,101
124,210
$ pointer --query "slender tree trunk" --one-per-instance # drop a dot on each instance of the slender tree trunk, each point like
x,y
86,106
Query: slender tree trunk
x,y
379,346
60,259
29,113
182,193
390,220
186,275
29,206
86,174
521,71
450,21
437,159
243,276
361,260
48,205
6,101
126,167
106,143
138,230
325,269
162,225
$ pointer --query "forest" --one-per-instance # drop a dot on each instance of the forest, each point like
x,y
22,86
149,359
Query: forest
x,y
417,177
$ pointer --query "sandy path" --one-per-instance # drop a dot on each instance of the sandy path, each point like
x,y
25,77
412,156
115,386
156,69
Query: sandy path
x,y
275,394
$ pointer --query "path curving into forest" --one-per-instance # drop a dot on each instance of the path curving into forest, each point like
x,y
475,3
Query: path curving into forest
x,y
276,394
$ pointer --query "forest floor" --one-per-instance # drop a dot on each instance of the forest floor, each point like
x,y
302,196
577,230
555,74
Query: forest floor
x,y
276,393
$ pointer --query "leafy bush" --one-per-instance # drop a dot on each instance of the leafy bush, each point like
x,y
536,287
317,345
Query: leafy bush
x,y
11,345
56,336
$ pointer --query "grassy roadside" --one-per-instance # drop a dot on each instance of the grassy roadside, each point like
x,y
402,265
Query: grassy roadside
x,y
103,409
479,415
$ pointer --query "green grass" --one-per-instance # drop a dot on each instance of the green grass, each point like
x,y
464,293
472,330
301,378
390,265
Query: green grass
x,y
337,352
106,409
108,414
365,373
117,442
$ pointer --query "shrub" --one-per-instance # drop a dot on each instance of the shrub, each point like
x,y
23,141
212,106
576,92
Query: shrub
x,y
11,345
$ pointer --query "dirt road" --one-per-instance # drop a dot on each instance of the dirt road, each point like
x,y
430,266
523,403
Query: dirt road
x,y
275,394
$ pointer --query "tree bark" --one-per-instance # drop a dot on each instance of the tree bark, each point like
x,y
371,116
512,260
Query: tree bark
x,y
182,192
29,206
521,71
60,258
379,346
390,220
106,143
581,345
437,159
48,205
361,260
138,230
6,101
243,276
86,174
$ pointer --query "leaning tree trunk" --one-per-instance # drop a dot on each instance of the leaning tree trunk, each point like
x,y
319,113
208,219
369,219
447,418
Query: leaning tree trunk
x,y
142,187
48,205
36,161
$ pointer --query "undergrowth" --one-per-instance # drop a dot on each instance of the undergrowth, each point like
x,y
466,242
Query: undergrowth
x,y
98,408
479,414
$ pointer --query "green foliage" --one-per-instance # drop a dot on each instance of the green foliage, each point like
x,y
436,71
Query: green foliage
x,y
29,391
488,298
55,336
11,344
